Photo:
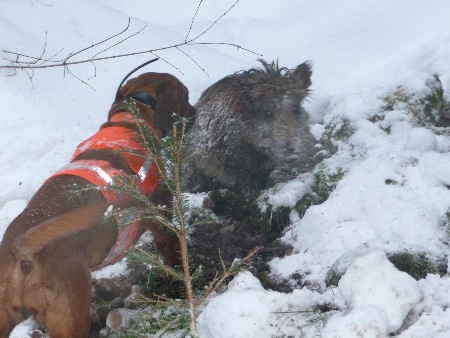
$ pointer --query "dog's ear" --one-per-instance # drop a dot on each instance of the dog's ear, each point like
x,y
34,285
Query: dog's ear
x,y
172,97
57,227
185,109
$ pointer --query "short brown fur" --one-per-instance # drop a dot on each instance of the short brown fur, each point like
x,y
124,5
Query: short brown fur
x,y
48,250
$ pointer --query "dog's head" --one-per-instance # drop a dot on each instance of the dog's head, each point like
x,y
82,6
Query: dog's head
x,y
159,95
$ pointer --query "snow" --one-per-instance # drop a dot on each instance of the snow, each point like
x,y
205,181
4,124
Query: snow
x,y
286,194
247,310
394,297
396,174
110,271
25,330
195,200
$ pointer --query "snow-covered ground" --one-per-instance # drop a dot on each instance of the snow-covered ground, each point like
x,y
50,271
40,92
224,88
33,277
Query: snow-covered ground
x,y
396,173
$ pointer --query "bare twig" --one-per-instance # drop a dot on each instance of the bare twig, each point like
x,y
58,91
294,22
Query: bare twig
x,y
193,60
43,50
214,23
217,282
121,41
100,42
170,64
225,44
95,71
44,4
319,317
19,55
76,77
62,64
40,62
192,21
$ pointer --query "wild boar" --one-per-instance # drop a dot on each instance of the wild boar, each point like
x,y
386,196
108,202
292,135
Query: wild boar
x,y
248,124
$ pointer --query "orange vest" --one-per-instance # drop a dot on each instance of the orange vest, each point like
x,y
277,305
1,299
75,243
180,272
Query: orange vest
x,y
102,174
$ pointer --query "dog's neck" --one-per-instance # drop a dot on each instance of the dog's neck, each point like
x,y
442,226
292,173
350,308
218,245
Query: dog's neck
x,y
123,118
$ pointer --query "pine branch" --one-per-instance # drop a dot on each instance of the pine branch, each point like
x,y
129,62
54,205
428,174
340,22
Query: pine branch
x,y
126,187
85,193
142,255
168,155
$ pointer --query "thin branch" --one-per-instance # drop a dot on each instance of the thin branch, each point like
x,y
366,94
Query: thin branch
x,y
192,21
100,42
54,56
225,44
13,74
44,4
193,60
44,62
45,46
30,77
62,64
170,64
217,282
18,55
76,77
95,71
214,23
36,59
121,41
224,268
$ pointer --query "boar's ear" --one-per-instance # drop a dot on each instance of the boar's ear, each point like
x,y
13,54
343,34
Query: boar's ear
x,y
303,73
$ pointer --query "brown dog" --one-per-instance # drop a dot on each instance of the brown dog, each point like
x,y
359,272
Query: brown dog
x,y
48,251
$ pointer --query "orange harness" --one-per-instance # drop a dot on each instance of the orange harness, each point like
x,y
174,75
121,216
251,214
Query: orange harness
x,y
102,174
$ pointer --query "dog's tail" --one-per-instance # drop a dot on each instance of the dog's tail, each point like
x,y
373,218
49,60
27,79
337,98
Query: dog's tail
x,y
38,237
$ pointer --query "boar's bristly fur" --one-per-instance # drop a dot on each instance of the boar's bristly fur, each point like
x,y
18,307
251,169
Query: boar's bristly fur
x,y
248,124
